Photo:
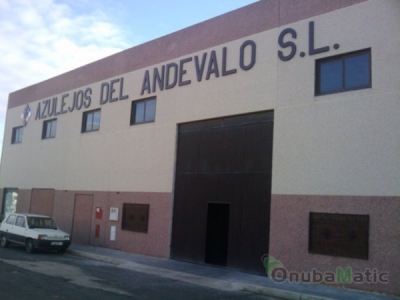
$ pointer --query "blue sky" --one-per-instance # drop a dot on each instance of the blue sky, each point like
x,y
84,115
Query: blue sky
x,y
44,38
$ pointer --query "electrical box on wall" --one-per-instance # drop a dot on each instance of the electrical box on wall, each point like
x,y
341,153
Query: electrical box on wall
x,y
114,212
113,230
99,213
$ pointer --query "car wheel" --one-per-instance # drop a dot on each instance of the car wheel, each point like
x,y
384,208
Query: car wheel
x,y
3,241
29,246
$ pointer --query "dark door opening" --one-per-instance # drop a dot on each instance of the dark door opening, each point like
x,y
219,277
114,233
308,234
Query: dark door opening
x,y
217,234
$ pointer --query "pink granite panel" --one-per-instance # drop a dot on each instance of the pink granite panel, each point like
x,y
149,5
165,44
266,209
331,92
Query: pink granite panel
x,y
63,209
292,11
24,201
290,229
42,202
251,19
153,243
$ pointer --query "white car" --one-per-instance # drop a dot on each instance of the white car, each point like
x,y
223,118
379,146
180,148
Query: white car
x,y
34,232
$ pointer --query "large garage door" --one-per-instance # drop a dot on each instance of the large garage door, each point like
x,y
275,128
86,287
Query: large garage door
x,y
223,192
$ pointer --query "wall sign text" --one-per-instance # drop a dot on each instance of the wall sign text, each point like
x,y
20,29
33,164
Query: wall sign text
x,y
212,64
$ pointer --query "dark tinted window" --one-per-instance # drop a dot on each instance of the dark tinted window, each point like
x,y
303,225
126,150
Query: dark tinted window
x,y
91,121
339,235
39,222
17,133
143,111
343,73
331,78
357,71
49,129
135,217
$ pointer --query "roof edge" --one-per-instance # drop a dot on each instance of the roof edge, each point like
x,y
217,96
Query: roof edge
x,y
248,20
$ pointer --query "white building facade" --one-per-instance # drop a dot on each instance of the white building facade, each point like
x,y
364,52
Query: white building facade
x,y
270,130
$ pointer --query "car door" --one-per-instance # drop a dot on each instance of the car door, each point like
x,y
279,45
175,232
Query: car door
x,y
7,226
20,229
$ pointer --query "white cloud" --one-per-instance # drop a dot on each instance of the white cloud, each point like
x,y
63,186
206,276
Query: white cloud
x,y
42,39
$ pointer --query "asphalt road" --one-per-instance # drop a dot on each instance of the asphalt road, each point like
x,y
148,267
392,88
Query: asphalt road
x,y
47,275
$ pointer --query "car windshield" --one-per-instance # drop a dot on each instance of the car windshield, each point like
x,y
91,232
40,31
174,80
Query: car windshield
x,y
39,222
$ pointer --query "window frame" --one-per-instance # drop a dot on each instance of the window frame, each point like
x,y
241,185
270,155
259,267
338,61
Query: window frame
x,y
45,126
340,235
20,224
17,135
134,105
84,128
342,58
11,219
137,209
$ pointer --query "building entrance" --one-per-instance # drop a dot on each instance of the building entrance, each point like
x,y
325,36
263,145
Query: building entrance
x,y
81,227
217,234
223,192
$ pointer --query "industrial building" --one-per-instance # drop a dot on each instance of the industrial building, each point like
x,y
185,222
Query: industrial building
x,y
272,130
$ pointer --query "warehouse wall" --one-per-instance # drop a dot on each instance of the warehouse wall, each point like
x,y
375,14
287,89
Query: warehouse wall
x,y
335,153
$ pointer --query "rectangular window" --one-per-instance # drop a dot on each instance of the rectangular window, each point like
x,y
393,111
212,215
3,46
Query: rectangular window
x,y
91,121
17,133
20,221
11,219
135,217
143,111
339,235
346,72
49,129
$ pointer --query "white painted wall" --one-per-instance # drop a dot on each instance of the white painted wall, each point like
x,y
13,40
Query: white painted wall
x,y
346,143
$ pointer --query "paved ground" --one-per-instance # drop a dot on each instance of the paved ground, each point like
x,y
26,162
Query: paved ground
x,y
219,278
53,276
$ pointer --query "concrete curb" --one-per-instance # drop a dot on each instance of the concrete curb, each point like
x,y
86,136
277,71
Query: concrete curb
x,y
199,280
